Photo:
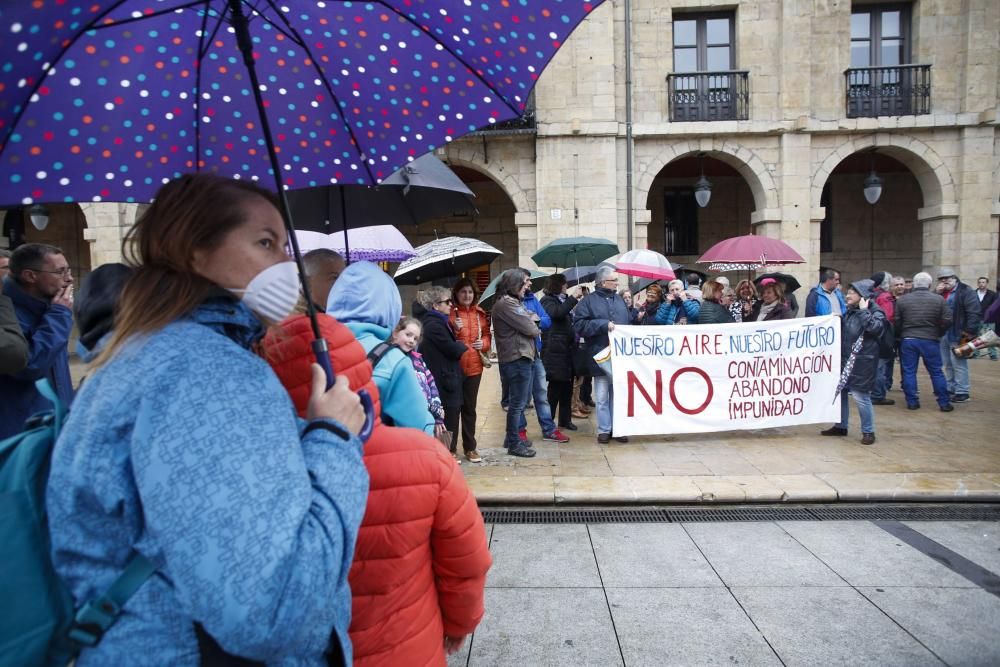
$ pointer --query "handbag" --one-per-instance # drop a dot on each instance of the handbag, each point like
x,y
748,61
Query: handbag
x,y
483,357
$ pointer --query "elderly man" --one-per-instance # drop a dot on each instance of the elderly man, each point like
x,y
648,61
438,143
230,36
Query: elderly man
x,y
40,286
920,318
323,267
594,318
966,318
825,298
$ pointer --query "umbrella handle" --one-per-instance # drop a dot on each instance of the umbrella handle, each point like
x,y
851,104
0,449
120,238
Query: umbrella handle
x,y
322,355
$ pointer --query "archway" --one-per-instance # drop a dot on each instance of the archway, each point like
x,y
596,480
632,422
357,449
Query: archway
x,y
65,230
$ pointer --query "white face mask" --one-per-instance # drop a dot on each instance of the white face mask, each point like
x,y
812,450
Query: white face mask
x,y
274,292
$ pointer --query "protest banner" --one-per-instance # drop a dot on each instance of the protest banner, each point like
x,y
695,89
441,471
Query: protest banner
x,y
725,377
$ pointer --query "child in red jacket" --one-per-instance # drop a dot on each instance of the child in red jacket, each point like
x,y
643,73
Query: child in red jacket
x,y
421,560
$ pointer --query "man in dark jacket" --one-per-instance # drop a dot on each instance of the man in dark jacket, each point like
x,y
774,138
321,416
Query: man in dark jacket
x,y
920,318
865,321
986,298
966,318
40,286
594,318
559,348
13,347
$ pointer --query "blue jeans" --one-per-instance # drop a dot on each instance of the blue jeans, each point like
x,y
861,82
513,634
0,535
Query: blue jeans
x,y
910,353
540,395
604,396
956,370
517,375
863,399
882,383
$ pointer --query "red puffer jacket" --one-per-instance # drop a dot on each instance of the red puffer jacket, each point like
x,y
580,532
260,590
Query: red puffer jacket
x,y
421,559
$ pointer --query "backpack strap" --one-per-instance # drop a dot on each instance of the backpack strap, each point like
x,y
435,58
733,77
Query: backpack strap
x,y
98,615
377,352
46,389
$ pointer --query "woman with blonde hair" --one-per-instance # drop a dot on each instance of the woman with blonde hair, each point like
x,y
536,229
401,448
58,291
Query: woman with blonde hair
x,y
712,310
746,299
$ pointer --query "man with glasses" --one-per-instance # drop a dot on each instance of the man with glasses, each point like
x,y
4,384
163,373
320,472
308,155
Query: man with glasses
x,y
40,285
593,319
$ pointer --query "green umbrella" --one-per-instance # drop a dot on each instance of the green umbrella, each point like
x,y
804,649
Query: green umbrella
x,y
575,251
489,294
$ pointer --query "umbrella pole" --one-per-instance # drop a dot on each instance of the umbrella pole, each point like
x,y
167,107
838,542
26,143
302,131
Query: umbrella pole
x,y
343,225
319,346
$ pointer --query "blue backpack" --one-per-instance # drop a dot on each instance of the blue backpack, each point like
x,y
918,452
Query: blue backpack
x,y
40,625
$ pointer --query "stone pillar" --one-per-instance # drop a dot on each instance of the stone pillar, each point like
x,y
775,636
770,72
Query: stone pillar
x,y
106,227
526,223
795,219
941,238
977,238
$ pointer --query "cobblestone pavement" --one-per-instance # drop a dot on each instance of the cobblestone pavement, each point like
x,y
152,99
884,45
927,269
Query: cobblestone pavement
x,y
759,593
922,454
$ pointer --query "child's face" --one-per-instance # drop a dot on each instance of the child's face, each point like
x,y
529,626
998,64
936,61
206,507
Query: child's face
x,y
407,337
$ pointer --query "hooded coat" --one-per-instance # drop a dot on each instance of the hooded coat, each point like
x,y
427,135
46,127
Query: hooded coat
x,y
559,342
46,328
421,559
365,299
186,448
869,323
442,353
95,304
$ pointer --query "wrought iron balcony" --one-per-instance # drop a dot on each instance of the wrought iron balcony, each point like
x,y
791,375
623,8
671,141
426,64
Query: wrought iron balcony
x,y
900,90
709,96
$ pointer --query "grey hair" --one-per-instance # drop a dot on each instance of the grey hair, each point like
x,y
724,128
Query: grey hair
x,y
314,260
675,282
723,280
922,280
602,274
511,281
432,295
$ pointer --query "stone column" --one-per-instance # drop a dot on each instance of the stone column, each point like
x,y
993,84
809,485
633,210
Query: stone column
x,y
941,238
106,227
977,238
526,223
795,219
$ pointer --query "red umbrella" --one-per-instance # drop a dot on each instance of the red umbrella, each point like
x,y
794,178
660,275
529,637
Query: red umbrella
x,y
645,264
749,253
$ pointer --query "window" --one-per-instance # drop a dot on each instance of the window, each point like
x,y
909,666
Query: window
x,y
704,42
880,35
680,224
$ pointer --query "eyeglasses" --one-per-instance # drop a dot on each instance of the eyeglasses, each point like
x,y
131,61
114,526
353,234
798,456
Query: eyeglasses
x,y
612,280
447,301
64,271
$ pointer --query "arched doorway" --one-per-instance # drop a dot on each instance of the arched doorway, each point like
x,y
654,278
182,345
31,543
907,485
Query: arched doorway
x,y
858,238
682,230
64,230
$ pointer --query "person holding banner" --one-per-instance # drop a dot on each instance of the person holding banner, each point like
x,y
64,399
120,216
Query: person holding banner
x,y
593,319
772,305
679,307
861,327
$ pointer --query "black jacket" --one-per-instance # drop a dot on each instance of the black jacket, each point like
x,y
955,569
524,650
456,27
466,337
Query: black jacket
x,y
714,313
650,313
921,314
856,322
441,353
966,315
987,301
590,321
559,341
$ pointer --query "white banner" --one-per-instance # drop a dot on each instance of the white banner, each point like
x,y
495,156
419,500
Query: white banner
x,y
725,377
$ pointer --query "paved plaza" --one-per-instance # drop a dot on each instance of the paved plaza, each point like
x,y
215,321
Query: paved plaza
x,y
919,455
767,593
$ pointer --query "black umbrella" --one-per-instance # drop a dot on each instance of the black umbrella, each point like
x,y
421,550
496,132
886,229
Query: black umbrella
x,y
444,258
790,282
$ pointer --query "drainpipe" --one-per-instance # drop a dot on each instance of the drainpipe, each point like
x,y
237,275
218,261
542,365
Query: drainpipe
x,y
628,123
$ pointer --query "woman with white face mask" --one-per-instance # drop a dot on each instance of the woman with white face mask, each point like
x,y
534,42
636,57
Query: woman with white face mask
x,y
183,447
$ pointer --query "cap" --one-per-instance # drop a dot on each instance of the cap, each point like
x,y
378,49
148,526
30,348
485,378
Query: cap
x,y
946,272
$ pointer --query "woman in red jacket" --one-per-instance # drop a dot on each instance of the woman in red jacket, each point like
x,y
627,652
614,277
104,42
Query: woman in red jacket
x,y
471,327
421,559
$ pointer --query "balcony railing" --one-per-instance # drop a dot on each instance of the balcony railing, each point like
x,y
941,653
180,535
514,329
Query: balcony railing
x,y
709,96
900,90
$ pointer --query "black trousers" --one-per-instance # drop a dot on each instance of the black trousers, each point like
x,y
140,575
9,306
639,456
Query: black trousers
x,y
451,413
587,390
561,401
470,394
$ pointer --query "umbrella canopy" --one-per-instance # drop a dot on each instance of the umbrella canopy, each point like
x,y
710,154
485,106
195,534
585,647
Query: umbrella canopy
x,y
645,264
104,102
583,274
489,294
790,282
425,188
445,257
749,253
382,243
574,251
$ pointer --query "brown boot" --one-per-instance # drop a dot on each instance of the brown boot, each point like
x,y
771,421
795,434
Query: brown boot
x,y
867,438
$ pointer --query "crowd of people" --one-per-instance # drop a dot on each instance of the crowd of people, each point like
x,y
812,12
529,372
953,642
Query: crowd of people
x,y
205,438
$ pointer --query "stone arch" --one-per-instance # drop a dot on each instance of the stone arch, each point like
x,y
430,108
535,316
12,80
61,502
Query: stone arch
x,y
742,159
924,163
506,179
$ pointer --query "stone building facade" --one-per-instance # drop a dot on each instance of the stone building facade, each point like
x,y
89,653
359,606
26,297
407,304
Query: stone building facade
x,y
807,98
